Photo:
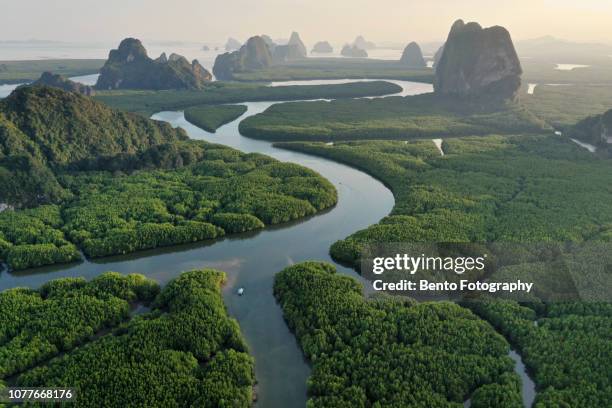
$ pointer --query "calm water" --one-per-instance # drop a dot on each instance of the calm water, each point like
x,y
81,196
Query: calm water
x,y
251,260
528,388
569,67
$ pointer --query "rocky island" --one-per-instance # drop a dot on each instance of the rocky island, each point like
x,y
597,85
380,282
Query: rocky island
x,y
478,62
232,44
362,43
412,57
293,50
255,54
129,67
352,51
58,81
323,47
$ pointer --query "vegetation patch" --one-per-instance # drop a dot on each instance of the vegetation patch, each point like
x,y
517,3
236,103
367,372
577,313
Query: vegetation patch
x,y
562,106
525,189
149,102
37,325
116,188
337,68
390,352
565,345
14,72
403,118
185,352
109,213
34,237
210,118
484,189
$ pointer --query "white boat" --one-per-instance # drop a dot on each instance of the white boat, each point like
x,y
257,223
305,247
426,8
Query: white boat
x,y
240,291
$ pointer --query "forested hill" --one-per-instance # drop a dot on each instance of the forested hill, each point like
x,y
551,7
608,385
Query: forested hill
x,y
43,129
62,127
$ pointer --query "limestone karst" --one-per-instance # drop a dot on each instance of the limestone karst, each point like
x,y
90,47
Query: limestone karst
x,y
129,67
478,62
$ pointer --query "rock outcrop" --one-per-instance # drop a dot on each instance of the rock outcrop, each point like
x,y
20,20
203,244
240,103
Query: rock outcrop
x,y
478,62
412,57
163,58
596,130
296,42
323,47
352,51
232,44
284,53
129,67
362,43
58,81
253,55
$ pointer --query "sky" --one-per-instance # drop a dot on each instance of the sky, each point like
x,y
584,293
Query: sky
x,y
337,21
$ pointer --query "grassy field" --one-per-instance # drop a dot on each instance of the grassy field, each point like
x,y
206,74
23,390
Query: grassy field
x,y
13,72
337,68
212,117
148,102
387,118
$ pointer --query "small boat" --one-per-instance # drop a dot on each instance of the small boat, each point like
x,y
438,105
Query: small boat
x,y
240,291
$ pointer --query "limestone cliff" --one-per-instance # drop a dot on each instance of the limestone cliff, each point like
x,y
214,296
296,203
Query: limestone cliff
x,y
478,62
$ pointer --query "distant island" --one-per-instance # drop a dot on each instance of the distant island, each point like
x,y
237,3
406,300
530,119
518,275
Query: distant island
x,y
258,52
255,54
58,81
362,43
129,67
323,47
353,51
412,56
293,50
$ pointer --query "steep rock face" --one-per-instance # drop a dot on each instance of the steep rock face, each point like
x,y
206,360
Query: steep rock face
x,y
129,67
596,130
438,56
478,62
412,56
323,47
296,42
363,44
353,52
269,41
255,54
58,81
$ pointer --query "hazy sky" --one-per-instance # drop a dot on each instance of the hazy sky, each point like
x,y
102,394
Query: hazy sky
x,y
333,20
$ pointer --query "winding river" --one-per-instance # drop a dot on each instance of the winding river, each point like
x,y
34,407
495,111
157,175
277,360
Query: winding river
x,y
251,260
